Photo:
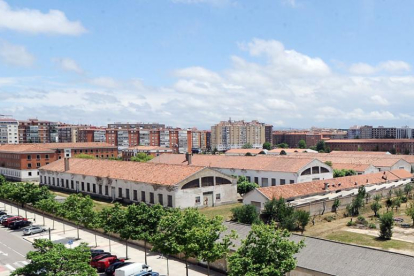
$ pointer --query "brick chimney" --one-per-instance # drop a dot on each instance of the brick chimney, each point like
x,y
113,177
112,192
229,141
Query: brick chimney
x,y
66,160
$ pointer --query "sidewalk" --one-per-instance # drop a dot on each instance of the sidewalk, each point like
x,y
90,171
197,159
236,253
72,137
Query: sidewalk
x,y
63,233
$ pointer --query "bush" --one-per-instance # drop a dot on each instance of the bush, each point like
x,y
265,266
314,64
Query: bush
x,y
351,223
362,220
372,226
386,225
245,214
330,218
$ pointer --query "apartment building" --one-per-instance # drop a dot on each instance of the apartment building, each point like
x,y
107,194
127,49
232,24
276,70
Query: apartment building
x,y
398,146
293,138
37,131
235,134
119,125
9,131
149,150
91,135
21,162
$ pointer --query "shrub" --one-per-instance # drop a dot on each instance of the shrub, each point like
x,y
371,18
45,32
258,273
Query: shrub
x,y
245,214
351,223
372,226
386,225
330,218
362,220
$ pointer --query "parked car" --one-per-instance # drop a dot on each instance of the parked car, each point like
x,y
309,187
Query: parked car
x,y
132,269
7,222
30,230
4,217
19,224
103,264
3,213
148,273
110,271
96,252
95,259
398,219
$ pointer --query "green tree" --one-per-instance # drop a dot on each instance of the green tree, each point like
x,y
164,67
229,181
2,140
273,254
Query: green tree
x,y
282,146
407,189
265,251
245,214
49,205
247,146
142,157
386,225
410,212
344,172
245,187
2,180
396,203
144,220
283,152
84,156
80,210
302,218
320,146
335,205
267,146
375,206
302,144
55,259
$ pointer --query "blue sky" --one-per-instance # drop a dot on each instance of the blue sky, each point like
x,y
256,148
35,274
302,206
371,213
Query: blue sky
x,y
292,63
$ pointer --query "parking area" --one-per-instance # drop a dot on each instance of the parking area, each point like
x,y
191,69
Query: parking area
x,y
67,234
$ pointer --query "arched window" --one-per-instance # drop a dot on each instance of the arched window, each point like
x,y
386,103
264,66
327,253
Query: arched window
x,y
192,184
324,170
207,181
315,170
306,172
222,181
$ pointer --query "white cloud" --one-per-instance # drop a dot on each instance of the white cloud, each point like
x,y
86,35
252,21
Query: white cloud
x,y
15,55
36,22
106,82
274,85
379,100
390,66
68,64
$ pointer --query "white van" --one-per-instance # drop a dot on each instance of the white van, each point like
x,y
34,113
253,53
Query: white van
x,y
132,269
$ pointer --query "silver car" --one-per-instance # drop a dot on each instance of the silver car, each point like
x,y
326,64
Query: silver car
x,y
33,230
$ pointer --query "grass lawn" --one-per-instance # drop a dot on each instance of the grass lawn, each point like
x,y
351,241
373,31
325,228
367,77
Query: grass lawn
x,y
98,205
224,211
366,240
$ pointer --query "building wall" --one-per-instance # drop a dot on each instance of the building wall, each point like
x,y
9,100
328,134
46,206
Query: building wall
x,y
9,131
400,146
180,198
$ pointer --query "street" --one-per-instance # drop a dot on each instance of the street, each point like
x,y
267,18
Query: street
x,y
13,250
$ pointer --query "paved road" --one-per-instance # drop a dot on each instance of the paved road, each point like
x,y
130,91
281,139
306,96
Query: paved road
x,y
13,250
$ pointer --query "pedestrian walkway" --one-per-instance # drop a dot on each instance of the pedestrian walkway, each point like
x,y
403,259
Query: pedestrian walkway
x,y
7,269
67,234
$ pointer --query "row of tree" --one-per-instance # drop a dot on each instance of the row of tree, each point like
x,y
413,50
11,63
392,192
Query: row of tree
x,y
171,231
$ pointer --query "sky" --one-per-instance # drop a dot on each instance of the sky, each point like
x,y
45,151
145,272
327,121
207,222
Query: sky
x,y
193,63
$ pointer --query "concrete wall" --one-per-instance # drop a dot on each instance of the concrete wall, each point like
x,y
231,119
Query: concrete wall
x,y
20,175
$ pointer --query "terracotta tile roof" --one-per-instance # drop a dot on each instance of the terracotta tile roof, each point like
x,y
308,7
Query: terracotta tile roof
x,y
259,162
360,141
290,191
338,152
148,148
78,145
24,148
162,174
347,166
292,150
244,151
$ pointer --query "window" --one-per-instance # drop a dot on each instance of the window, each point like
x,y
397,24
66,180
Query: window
x,y
37,165
160,199
315,170
152,198
48,180
324,170
58,182
169,198
192,184
29,157
30,173
119,192
142,196
282,181
88,187
273,182
218,197
127,193
256,180
135,195
207,181
265,182
106,190
222,181
94,188
29,166
248,178
83,186
197,200
47,156
41,180
38,156
306,172
71,185
67,183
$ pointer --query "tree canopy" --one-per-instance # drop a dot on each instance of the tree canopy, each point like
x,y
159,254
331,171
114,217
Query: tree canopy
x,y
142,157
302,144
247,146
267,146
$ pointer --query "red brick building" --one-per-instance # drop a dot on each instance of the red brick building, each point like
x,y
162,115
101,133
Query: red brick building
x,y
21,162
401,146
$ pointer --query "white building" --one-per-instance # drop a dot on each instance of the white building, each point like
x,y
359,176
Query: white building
x,y
169,185
263,170
9,131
